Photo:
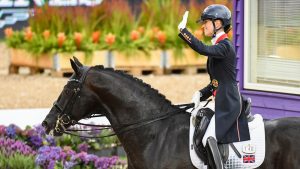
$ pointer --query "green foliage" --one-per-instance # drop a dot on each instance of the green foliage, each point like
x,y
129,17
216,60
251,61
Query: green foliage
x,y
16,40
158,18
17,161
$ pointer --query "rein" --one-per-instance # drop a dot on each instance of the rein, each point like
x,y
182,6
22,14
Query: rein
x,y
131,126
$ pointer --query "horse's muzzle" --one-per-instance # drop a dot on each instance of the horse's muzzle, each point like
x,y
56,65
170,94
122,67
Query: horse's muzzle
x,y
46,126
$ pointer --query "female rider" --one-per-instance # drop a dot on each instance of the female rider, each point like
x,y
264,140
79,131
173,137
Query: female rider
x,y
221,66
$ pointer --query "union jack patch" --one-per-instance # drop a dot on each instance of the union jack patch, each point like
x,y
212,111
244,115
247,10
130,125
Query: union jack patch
x,y
248,158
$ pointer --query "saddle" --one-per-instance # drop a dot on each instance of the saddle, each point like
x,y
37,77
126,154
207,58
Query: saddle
x,y
202,121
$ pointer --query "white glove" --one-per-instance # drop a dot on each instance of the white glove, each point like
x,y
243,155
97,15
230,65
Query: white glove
x,y
196,98
182,24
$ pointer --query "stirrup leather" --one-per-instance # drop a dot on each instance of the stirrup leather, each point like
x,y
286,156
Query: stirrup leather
x,y
215,159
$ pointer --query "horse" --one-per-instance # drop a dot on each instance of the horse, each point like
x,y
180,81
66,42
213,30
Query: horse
x,y
153,132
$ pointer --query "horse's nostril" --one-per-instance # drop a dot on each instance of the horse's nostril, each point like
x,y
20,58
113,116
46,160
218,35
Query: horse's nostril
x,y
45,124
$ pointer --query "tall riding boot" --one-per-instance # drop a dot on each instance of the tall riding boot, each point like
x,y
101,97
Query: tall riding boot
x,y
214,159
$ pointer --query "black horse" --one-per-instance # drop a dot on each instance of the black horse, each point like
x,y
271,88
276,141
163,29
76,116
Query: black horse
x,y
153,132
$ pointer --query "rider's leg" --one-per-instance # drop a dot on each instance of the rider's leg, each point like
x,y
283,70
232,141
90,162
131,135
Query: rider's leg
x,y
215,159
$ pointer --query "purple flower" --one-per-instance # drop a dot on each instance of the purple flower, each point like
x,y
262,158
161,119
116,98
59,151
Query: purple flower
x,y
106,162
67,153
50,140
80,156
90,158
2,130
83,147
10,147
69,164
47,156
11,131
40,130
36,141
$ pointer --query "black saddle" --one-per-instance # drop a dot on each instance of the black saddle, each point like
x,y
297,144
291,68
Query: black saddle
x,y
202,121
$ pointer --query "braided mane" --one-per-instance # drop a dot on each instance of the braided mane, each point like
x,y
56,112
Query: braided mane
x,y
130,77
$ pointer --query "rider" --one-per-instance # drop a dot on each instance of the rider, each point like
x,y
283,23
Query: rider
x,y
221,66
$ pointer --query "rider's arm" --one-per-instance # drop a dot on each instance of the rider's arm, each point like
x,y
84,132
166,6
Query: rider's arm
x,y
217,51
206,92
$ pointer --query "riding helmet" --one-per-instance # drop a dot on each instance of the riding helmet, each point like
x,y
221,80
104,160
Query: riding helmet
x,y
217,11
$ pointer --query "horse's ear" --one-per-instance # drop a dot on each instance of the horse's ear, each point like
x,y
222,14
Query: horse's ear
x,y
75,67
77,61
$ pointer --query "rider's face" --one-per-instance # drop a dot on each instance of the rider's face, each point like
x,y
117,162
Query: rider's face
x,y
208,28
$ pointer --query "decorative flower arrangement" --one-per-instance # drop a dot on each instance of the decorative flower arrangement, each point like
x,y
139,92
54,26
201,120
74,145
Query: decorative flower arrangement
x,y
122,30
32,147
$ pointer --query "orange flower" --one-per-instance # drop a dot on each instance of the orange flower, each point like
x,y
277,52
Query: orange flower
x,y
199,33
153,33
61,37
161,36
110,38
77,39
155,29
134,35
46,34
141,29
28,34
96,36
8,32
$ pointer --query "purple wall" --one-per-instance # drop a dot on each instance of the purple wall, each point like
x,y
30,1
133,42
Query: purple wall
x,y
269,105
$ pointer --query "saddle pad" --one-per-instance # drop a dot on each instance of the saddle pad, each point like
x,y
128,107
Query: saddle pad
x,y
253,151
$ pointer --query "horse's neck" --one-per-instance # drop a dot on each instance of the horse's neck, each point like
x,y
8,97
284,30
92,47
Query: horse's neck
x,y
129,103
127,99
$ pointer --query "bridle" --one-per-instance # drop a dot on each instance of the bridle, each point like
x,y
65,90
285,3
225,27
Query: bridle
x,y
65,119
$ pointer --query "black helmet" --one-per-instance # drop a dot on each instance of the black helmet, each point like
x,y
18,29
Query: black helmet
x,y
216,11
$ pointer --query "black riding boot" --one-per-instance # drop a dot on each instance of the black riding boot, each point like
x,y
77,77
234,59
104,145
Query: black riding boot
x,y
215,160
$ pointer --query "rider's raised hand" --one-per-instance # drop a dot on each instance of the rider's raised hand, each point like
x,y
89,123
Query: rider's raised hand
x,y
182,24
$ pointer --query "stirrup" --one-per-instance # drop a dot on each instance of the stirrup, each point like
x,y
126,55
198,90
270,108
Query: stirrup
x,y
214,152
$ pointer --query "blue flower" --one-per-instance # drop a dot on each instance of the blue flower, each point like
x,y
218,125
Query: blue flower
x,y
69,164
36,141
47,156
11,131
40,130
50,140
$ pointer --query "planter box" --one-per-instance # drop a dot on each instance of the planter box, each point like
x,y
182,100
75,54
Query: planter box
x,y
138,64
20,57
189,63
62,60
139,59
57,62
189,58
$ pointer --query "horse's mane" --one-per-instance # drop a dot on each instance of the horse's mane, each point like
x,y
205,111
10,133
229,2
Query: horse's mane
x,y
139,81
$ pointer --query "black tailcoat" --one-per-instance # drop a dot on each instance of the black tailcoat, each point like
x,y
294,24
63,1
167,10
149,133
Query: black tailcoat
x,y
231,125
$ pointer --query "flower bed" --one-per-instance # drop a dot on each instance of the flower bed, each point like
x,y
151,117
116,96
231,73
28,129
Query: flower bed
x,y
112,27
32,148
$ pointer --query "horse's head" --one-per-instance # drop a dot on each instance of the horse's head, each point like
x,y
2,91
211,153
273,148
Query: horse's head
x,y
75,102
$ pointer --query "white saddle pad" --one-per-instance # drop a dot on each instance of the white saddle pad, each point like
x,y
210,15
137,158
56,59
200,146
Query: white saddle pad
x,y
253,151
